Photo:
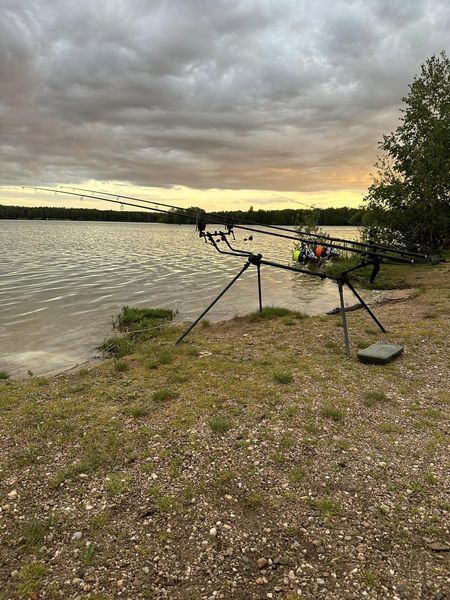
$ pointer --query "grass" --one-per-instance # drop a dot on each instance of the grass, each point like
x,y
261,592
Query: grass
x,y
333,412
121,366
136,410
372,398
296,475
219,424
133,319
116,346
252,501
164,395
217,438
283,377
274,312
327,507
34,531
30,579
166,357
223,482
4,375
117,484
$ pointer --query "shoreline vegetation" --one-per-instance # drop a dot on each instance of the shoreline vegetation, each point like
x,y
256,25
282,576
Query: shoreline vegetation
x,y
324,216
253,461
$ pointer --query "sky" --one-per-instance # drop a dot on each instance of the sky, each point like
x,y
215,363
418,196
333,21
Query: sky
x,y
216,103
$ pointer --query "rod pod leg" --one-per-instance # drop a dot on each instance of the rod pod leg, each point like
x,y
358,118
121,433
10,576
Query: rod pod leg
x,y
344,319
216,299
258,267
366,307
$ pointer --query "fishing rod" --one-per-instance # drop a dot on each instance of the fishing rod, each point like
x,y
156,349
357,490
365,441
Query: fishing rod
x,y
178,211
218,219
369,256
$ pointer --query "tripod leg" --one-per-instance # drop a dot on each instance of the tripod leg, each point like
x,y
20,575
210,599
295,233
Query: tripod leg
x,y
183,335
344,320
366,307
258,266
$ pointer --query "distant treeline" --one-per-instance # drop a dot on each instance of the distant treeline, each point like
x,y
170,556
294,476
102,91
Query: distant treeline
x,y
322,216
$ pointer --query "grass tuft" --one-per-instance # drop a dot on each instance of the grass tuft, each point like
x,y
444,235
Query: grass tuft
x,y
274,312
34,532
164,395
332,412
121,366
219,424
372,398
4,375
283,377
327,507
133,319
116,346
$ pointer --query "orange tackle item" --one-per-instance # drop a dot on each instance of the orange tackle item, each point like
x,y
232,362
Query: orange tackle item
x,y
318,251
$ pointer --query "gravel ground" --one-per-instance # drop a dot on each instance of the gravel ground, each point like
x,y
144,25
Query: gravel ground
x,y
255,461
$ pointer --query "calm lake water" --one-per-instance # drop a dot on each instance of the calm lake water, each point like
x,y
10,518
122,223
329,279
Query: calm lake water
x,y
61,282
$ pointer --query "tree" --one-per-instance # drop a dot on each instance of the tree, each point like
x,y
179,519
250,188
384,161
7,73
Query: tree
x,y
411,191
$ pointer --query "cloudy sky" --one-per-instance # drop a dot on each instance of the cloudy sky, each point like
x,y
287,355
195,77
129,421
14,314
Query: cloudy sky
x,y
212,102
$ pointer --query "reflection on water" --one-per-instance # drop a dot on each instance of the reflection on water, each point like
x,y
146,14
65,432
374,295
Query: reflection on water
x,y
61,283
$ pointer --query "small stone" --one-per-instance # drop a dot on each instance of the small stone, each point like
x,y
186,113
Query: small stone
x,y
260,581
262,563
438,547
120,583
76,536
76,581
146,570
213,532
13,495
14,573
320,581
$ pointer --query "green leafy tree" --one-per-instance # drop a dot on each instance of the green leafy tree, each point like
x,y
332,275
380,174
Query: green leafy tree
x,y
411,191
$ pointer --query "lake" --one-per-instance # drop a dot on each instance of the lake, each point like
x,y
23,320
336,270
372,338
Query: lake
x,y
62,282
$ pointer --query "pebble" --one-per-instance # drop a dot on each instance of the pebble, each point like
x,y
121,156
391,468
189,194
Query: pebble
x,y
262,563
14,573
213,532
13,495
76,536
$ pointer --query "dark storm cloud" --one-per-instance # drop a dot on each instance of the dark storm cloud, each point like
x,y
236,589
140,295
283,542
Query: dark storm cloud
x,y
274,94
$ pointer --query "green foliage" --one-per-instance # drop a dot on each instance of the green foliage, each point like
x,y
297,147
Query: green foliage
x,y
273,312
30,579
288,216
372,398
283,377
327,507
116,346
411,191
34,532
4,375
164,395
132,319
219,424
121,366
332,412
